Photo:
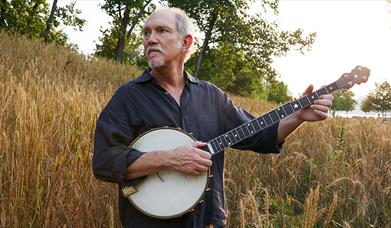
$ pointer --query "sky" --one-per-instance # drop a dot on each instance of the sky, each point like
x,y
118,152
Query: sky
x,y
349,33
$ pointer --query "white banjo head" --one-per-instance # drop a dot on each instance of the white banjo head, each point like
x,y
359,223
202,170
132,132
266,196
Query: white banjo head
x,y
167,194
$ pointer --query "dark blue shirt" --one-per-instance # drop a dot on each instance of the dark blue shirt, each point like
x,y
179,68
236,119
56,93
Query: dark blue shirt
x,y
204,110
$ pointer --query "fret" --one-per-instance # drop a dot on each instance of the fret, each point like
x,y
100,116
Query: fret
x,y
231,138
218,148
241,132
296,106
288,109
308,99
281,113
215,145
244,127
322,91
312,97
256,125
224,140
261,121
250,128
219,143
274,116
268,119
304,102
236,135
332,87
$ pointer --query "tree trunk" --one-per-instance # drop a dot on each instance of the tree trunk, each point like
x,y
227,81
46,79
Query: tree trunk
x,y
134,23
49,22
124,35
3,8
119,52
208,35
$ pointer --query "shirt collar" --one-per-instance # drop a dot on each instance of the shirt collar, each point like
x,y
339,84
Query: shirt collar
x,y
147,76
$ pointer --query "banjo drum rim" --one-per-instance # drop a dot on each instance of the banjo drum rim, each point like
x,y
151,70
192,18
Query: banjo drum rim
x,y
190,209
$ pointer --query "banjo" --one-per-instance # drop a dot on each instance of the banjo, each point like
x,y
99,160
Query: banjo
x,y
169,194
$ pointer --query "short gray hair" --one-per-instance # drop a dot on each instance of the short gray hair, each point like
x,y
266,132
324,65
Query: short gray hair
x,y
184,25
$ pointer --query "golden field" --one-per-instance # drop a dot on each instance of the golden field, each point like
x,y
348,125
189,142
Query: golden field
x,y
336,173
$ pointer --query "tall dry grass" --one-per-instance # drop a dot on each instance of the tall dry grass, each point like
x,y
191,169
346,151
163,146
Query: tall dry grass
x,y
331,174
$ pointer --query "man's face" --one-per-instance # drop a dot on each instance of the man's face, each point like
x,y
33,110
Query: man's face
x,y
162,42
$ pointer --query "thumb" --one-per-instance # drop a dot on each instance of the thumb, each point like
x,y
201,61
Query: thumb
x,y
199,144
309,89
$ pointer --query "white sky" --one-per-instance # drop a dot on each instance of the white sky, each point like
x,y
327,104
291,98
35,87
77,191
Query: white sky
x,y
349,33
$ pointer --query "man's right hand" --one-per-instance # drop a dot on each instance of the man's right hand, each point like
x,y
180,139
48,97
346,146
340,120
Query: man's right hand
x,y
190,159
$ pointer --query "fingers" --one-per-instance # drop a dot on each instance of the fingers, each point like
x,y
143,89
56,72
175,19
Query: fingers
x,y
321,114
202,153
309,89
198,144
190,159
323,103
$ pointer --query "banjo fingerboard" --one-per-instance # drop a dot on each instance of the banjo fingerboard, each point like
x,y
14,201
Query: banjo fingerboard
x,y
256,125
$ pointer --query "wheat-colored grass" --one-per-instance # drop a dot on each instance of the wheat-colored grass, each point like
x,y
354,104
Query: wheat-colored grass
x,y
336,173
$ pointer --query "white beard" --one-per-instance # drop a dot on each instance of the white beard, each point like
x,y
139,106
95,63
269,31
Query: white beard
x,y
156,63
159,62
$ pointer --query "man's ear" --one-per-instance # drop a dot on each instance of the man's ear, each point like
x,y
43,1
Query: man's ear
x,y
187,42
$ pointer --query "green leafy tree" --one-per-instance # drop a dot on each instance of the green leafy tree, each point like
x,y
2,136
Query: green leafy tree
x,y
34,20
228,22
23,17
67,15
378,100
343,101
235,74
278,92
121,41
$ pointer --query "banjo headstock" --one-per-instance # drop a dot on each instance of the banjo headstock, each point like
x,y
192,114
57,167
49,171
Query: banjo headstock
x,y
358,75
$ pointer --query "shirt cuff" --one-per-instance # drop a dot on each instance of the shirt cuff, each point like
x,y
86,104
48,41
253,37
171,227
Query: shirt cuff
x,y
131,157
270,137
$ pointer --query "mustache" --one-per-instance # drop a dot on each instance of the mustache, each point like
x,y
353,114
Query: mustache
x,y
154,48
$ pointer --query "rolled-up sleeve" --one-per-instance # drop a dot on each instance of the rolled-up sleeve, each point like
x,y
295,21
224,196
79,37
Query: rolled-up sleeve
x,y
113,134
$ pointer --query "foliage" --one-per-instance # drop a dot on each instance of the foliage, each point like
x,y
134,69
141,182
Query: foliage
x,y
229,23
343,101
234,74
132,53
378,100
30,18
122,40
278,92
24,17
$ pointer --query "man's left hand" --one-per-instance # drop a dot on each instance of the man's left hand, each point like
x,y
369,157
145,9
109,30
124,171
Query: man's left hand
x,y
317,111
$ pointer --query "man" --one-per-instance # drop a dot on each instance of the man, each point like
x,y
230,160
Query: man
x,y
165,95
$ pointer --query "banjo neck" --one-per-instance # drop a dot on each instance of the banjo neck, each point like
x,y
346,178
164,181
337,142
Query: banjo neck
x,y
250,128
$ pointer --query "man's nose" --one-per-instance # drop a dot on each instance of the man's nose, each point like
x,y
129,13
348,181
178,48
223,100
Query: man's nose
x,y
152,38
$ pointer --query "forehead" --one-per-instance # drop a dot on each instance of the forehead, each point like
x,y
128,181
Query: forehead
x,y
161,18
